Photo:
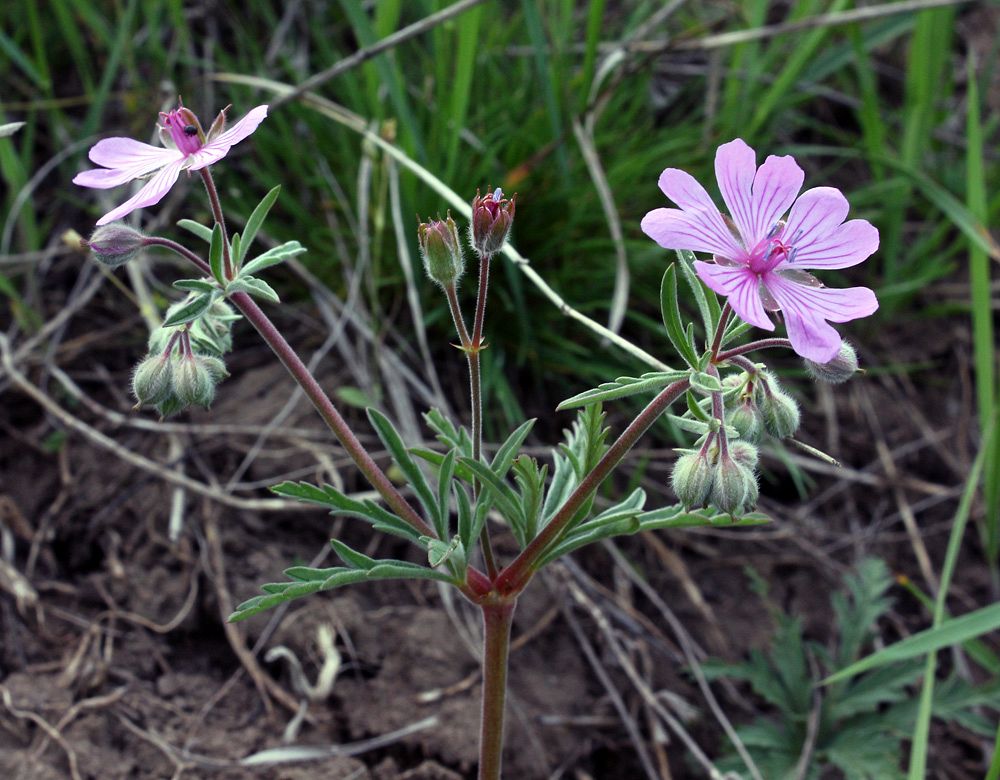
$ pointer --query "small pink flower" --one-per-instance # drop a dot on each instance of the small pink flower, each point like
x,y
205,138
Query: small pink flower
x,y
760,258
185,148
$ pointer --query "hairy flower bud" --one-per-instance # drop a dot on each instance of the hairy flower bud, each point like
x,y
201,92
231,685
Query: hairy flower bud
x,y
441,250
492,217
744,453
778,410
734,489
692,479
838,370
152,380
745,418
114,245
193,383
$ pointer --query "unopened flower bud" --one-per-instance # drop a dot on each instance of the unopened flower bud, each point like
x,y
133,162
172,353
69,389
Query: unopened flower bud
x,y
778,410
745,418
441,250
744,453
216,367
116,244
734,489
692,479
193,383
152,380
492,217
838,370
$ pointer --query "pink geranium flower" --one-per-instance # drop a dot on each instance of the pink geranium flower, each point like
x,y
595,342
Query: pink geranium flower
x,y
760,259
186,147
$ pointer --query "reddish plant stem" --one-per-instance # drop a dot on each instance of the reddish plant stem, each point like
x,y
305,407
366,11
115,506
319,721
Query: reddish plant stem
x,y
497,619
472,355
720,329
753,346
179,249
476,392
213,197
477,584
328,412
513,579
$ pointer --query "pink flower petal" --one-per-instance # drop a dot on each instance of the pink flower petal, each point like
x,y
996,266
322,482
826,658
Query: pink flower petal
x,y
684,190
149,195
218,148
775,186
846,245
806,309
103,178
676,229
129,153
812,338
735,168
814,215
835,305
741,287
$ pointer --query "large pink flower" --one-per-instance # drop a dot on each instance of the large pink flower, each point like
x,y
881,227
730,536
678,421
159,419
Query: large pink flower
x,y
186,147
760,258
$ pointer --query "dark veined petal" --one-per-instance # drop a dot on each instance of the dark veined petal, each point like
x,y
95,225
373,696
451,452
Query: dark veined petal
x,y
741,286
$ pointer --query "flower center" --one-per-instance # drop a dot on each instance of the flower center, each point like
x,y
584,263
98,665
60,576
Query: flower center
x,y
185,131
772,251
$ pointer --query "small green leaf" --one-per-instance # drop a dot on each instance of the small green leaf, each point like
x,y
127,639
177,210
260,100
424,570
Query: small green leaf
x,y
215,255
191,311
234,248
195,285
254,222
352,558
706,383
708,303
251,285
414,476
623,386
445,475
278,254
204,233
671,313
507,451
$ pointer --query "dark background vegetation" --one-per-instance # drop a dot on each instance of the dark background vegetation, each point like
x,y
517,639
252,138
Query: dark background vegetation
x,y
126,540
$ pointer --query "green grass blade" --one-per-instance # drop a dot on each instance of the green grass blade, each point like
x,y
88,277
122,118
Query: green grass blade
x,y
984,354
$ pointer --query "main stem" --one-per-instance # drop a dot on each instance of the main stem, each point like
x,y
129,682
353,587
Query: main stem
x,y
497,620
476,393
513,579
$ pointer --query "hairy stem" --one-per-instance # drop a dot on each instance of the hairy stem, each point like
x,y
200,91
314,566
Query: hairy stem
x,y
470,346
179,249
720,330
497,620
516,576
753,346
213,197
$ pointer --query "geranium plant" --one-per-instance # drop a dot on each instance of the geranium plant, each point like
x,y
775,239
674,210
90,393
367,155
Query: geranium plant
x,y
726,401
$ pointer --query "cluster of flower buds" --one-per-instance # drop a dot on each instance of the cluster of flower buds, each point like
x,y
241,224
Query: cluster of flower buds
x,y
726,479
177,377
492,217
185,363
441,250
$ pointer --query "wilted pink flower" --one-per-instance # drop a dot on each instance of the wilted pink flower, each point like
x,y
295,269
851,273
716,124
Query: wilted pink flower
x,y
185,147
760,258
